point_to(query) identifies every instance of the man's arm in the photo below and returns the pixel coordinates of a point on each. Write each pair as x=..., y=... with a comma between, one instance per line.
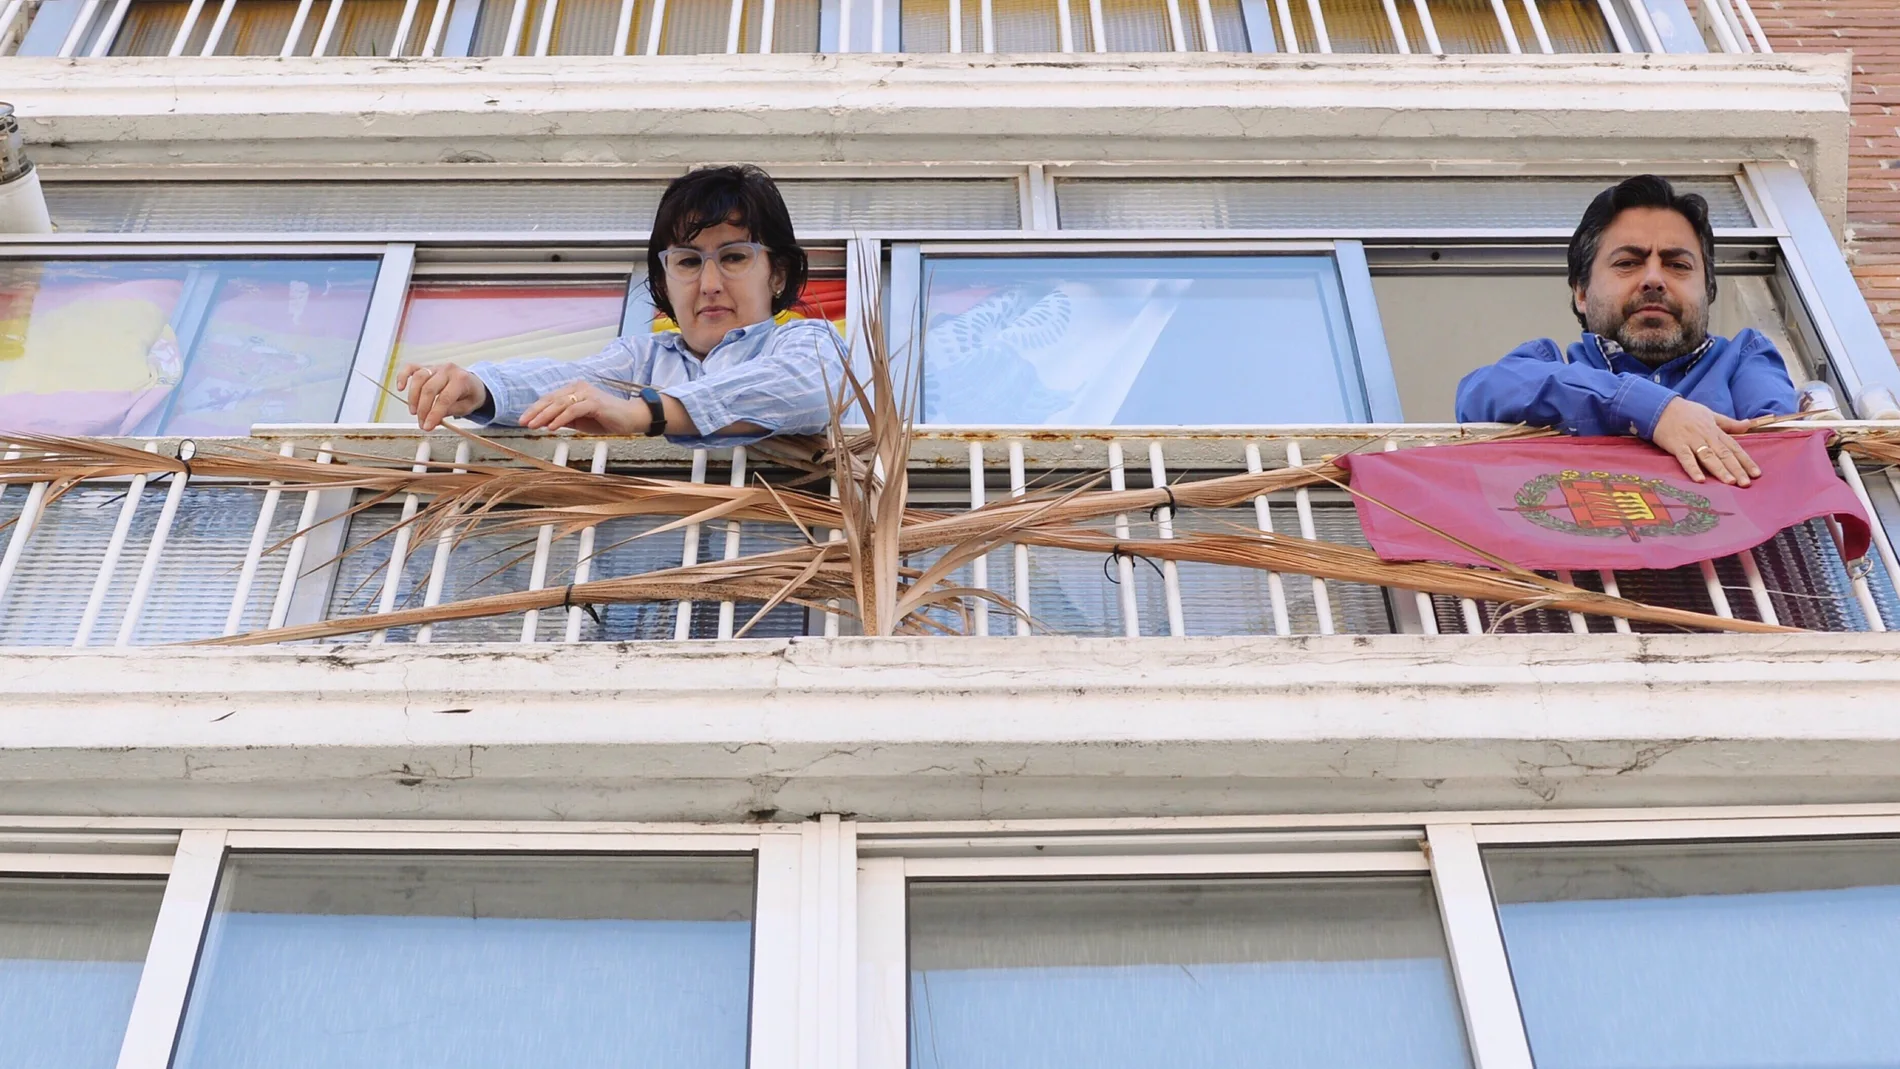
x=1535, y=385
x=1760, y=385
x=784, y=390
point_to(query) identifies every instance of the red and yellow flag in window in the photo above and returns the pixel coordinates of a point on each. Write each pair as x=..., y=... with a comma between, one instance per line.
x=822, y=298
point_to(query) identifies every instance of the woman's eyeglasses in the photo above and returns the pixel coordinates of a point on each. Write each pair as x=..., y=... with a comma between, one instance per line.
x=735, y=260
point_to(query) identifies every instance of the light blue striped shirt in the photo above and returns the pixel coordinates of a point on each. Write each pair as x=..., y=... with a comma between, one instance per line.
x=774, y=375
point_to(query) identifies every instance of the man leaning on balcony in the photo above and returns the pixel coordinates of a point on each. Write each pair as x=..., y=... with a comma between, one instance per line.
x=723, y=263
x=1641, y=283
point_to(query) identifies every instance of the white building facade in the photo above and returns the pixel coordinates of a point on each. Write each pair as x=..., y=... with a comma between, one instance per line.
x=1191, y=816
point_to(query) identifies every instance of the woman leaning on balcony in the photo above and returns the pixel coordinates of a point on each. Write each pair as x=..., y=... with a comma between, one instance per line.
x=723, y=263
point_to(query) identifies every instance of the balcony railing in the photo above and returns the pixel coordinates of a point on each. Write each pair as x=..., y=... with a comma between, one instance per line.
x=430, y=28
x=173, y=558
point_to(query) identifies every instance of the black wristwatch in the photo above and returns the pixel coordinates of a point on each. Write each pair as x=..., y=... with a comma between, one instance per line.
x=652, y=397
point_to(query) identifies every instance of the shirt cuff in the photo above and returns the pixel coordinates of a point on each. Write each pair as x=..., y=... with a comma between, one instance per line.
x=491, y=411
x=1640, y=403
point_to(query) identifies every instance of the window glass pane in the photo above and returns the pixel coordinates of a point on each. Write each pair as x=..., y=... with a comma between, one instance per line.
x=1674, y=955
x=474, y=962
x=70, y=956
x=1137, y=340
x=1306, y=973
x=466, y=322
x=179, y=346
x=1571, y=25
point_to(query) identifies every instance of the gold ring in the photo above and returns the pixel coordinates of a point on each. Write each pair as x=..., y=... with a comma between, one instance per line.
x=575, y=399
x=1700, y=448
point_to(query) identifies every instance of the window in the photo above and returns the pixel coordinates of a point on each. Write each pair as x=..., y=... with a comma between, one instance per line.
x=1135, y=339
x=202, y=347
x=71, y=952
x=260, y=28
x=1457, y=26
x=517, y=961
x=1676, y=954
x=1120, y=974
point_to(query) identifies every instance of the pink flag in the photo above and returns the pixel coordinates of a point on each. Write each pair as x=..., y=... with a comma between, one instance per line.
x=1586, y=503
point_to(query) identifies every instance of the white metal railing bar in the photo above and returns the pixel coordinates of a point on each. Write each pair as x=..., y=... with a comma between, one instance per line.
x=1429, y=27
x=1611, y=19
x=987, y=15
x=111, y=29
x=1320, y=37
x=1652, y=40
x=517, y=15
x=956, y=26
x=1164, y=521
x=218, y=25
x=735, y=21
x=584, y=553
x=1883, y=544
x=1754, y=27
x=437, y=23
x=254, y=553
x=1724, y=32
x=1511, y=43
x=1210, y=33
x=1757, y=589
x=297, y=23
x=1065, y=26
x=1176, y=31
x=293, y=564
x=1611, y=588
x=1427, y=613
x=544, y=35
x=538, y=571
x=1263, y=517
x=1124, y=564
x=659, y=24
x=733, y=535
x=689, y=553
x=12, y=11
x=877, y=25
x=1303, y=503
x=78, y=32
x=439, y=565
x=980, y=567
x=1018, y=486
x=399, y=546
x=844, y=24
x=154, y=550
x=1098, y=26
x=404, y=25
x=23, y=525
x=328, y=29
x=1718, y=597
x=623, y=28
x=832, y=615
x=768, y=21
x=109, y=563
x=1398, y=27
x=1289, y=38
x=1536, y=17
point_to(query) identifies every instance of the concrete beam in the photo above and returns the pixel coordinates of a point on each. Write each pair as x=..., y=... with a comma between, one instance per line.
x=951, y=729
x=1504, y=111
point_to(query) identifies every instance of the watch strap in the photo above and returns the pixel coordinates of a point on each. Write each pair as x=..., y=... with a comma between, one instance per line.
x=657, y=409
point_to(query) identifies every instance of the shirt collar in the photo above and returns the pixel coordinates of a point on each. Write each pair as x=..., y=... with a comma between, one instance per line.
x=1610, y=350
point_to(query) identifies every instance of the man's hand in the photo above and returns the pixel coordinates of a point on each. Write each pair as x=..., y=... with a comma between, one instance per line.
x=437, y=391
x=588, y=409
x=1698, y=436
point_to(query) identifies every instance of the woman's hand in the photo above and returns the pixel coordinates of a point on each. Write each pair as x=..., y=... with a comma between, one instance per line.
x=437, y=391
x=588, y=409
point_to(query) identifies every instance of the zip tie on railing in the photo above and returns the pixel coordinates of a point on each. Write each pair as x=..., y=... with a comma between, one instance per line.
x=588, y=607
x=1154, y=513
x=1118, y=552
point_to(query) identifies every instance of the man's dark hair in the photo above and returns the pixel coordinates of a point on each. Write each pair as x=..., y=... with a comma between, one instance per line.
x=744, y=196
x=1642, y=191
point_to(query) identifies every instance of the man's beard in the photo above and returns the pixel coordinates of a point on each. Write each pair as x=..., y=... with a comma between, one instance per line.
x=1654, y=347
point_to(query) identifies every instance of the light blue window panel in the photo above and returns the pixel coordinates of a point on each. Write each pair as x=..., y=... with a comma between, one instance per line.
x=1672, y=956
x=475, y=963
x=1170, y=974
x=71, y=952
x=1138, y=340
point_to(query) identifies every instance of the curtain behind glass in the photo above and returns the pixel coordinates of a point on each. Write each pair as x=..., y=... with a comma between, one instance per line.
x=150, y=26
x=1685, y=955
x=1234, y=974
x=473, y=962
x=71, y=952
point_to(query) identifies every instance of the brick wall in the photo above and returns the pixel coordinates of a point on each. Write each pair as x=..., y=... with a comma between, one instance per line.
x=1870, y=29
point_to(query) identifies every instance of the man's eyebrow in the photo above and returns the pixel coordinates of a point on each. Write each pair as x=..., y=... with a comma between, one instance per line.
x=1644, y=250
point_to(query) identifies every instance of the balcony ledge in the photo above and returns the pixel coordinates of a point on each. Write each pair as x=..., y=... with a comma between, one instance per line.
x=953, y=729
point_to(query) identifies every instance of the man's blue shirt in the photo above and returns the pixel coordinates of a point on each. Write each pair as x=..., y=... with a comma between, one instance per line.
x=1595, y=388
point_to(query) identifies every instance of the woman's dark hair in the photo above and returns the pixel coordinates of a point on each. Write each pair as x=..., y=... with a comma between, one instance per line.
x=1642, y=191
x=744, y=196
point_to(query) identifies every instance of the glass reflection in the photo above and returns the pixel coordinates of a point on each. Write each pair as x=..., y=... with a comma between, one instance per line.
x=1138, y=340
x=474, y=962
x=1673, y=955
x=71, y=951
x=177, y=346
x=1125, y=974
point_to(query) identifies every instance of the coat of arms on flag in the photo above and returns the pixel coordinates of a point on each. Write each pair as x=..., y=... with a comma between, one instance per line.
x=1588, y=503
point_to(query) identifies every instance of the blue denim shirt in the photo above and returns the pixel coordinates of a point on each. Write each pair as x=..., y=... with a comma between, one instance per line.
x=1595, y=388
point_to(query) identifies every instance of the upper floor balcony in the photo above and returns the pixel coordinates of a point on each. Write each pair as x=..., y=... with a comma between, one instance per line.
x=453, y=28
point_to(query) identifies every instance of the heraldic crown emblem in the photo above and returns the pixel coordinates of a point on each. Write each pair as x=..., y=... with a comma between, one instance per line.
x=1603, y=505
